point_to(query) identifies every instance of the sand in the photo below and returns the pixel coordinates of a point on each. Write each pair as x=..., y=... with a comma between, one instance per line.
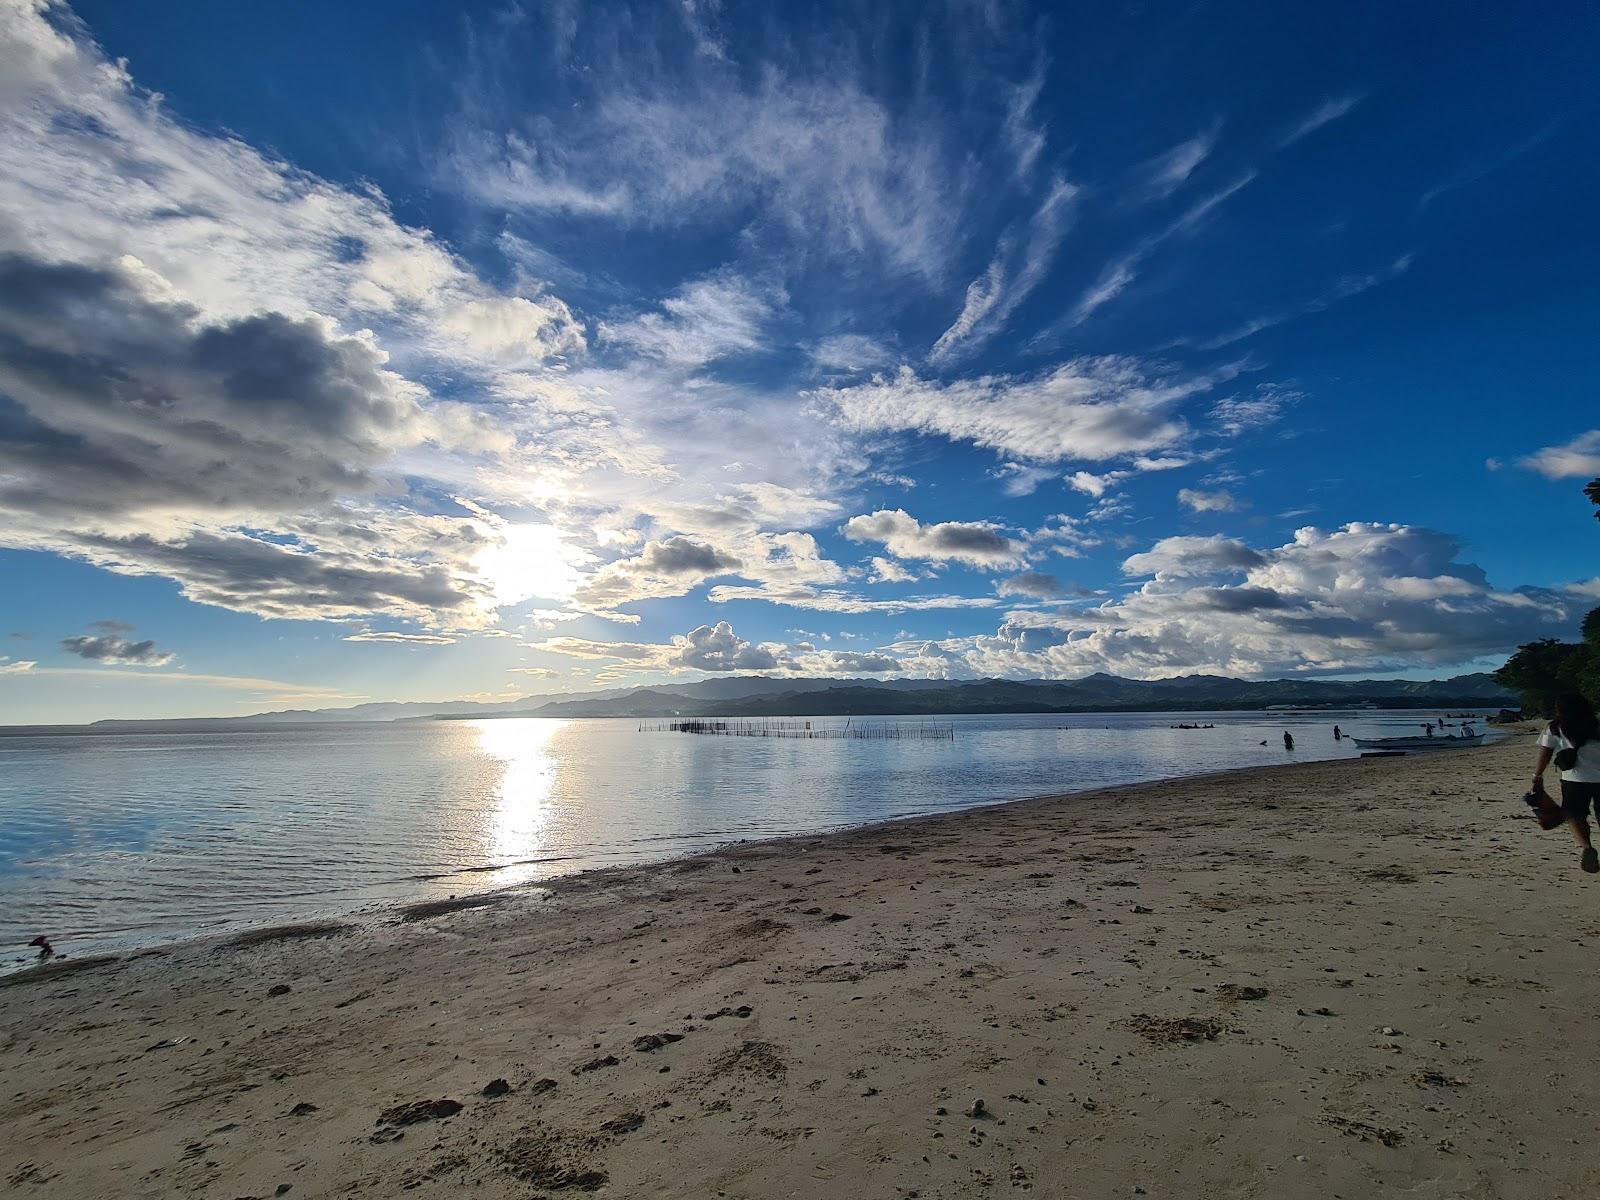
x=1339, y=979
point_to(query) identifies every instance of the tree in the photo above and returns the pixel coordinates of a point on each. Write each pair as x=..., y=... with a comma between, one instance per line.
x=1540, y=671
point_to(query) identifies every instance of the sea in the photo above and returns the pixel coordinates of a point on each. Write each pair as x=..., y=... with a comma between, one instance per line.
x=116, y=840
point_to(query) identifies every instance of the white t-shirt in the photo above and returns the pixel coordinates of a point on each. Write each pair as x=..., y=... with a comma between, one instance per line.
x=1587, y=768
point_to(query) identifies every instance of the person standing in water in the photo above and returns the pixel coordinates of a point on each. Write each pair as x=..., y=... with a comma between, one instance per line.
x=1288, y=740
x=1336, y=734
x=1573, y=741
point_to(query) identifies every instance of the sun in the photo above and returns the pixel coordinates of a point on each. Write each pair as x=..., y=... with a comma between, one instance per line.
x=527, y=562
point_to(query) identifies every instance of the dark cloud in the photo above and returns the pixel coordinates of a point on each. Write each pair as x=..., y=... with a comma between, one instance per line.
x=1239, y=599
x=113, y=401
x=680, y=556
x=111, y=649
x=1039, y=585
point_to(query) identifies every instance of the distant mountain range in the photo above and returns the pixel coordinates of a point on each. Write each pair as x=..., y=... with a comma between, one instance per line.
x=761, y=696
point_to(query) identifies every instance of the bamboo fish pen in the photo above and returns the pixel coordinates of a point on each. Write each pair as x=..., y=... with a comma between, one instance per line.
x=893, y=731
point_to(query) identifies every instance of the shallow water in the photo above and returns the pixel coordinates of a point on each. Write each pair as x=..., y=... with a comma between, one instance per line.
x=111, y=840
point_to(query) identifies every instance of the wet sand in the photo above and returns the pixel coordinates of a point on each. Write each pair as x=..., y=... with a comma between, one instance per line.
x=1340, y=979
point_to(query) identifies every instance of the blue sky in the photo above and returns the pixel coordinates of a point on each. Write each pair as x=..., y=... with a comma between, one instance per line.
x=414, y=351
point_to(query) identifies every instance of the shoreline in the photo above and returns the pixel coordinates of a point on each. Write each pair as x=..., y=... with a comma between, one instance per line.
x=1320, y=979
x=381, y=913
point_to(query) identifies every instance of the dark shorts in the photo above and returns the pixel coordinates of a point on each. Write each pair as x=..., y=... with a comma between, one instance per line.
x=1577, y=798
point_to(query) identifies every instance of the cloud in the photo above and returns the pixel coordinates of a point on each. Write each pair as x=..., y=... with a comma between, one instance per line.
x=1022, y=479
x=707, y=319
x=846, y=662
x=117, y=401
x=109, y=648
x=1016, y=270
x=837, y=601
x=1121, y=271
x=1180, y=557
x=1343, y=289
x=16, y=666
x=1036, y=585
x=1326, y=113
x=851, y=352
x=718, y=648
x=1361, y=598
x=402, y=639
x=821, y=159
x=977, y=544
x=672, y=567
x=534, y=672
x=1575, y=459
x=1198, y=501
x=1094, y=485
x=1091, y=409
x=886, y=570
x=1164, y=174
x=713, y=648
x=1240, y=414
x=204, y=411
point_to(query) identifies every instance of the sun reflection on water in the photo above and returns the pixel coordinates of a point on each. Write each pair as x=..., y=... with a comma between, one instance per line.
x=518, y=828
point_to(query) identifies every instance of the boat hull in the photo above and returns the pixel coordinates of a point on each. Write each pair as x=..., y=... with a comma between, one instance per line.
x=1418, y=743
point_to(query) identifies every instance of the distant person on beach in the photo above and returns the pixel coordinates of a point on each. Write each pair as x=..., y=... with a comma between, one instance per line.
x=1573, y=741
x=1288, y=740
x=1336, y=734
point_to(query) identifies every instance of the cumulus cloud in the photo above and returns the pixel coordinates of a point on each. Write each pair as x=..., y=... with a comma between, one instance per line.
x=707, y=648
x=109, y=648
x=672, y=567
x=1360, y=598
x=975, y=543
x=9, y=666
x=215, y=409
x=718, y=648
x=1200, y=501
x=845, y=662
x=1094, y=485
x=1176, y=557
x=115, y=401
x=1091, y=409
x=886, y=570
x=1573, y=460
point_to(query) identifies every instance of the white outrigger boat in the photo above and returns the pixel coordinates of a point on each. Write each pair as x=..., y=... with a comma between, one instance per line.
x=1413, y=742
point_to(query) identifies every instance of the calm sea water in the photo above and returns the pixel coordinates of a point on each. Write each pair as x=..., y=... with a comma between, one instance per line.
x=111, y=840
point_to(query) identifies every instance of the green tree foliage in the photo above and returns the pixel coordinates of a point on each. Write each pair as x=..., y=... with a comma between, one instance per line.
x=1542, y=670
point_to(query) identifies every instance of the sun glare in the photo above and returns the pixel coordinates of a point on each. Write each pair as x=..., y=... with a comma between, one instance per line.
x=529, y=561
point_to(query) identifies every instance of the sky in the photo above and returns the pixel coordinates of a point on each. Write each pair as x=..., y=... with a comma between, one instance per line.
x=413, y=351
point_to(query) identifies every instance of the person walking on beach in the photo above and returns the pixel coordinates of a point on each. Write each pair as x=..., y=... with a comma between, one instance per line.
x=1573, y=741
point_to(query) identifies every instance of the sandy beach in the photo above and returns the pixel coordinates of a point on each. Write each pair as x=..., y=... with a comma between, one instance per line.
x=1339, y=979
